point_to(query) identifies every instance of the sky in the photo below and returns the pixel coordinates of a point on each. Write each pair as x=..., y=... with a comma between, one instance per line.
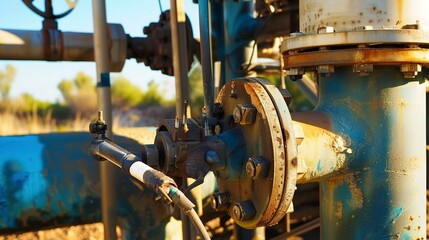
x=41, y=78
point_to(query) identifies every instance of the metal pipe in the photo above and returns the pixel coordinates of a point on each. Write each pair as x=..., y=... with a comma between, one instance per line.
x=364, y=144
x=101, y=54
x=323, y=150
x=52, y=45
x=133, y=166
x=55, y=45
x=308, y=88
x=55, y=183
x=270, y=27
x=306, y=227
x=180, y=55
x=206, y=55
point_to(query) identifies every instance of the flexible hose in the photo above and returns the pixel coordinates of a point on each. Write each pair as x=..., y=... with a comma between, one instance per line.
x=180, y=199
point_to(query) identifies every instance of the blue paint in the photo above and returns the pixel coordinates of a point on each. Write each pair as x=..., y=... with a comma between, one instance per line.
x=104, y=80
x=236, y=149
x=384, y=115
x=22, y=172
x=49, y=180
x=319, y=165
x=395, y=214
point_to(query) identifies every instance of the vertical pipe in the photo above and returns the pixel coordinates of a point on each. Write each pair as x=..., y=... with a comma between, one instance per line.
x=101, y=53
x=238, y=49
x=382, y=195
x=206, y=54
x=180, y=62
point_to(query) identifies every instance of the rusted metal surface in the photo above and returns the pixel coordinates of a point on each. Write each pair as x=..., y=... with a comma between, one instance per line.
x=368, y=37
x=380, y=193
x=55, y=45
x=54, y=183
x=390, y=56
x=347, y=15
x=291, y=160
x=263, y=138
x=324, y=152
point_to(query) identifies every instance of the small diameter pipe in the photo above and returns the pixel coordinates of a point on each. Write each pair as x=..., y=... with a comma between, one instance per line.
x=101, y=53
x=206, y=55
x=180, y=55
x=158, y=181
x=306, y=227
x=308, y=88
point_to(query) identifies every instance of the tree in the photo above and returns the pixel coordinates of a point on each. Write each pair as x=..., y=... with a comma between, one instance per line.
x=6, y=80
x=152, y=97
x=196, y=90
x=125, y=95
x=80, y=94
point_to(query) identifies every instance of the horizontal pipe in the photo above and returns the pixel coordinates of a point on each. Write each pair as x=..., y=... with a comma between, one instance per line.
x=55, y=45
x=322, y=150
x=51, y=45
x=55, y=183
x=266, y=28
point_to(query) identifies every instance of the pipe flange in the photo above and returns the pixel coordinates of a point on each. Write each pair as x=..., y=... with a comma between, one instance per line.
x=261, y=161
x=306, y=42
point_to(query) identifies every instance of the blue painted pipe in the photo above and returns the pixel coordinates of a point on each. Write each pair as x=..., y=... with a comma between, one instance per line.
x=50, y=180
x=382, y=193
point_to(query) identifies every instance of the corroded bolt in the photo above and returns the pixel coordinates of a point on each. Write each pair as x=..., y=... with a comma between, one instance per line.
x=220, y=201
x=411, y=70
x=258, y=167
x=325, y=29
x=295, y=73
x=244, y=211
x=363, y=70
x=244, y=114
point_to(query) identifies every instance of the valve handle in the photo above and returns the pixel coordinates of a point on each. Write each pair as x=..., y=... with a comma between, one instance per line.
x=48, y=14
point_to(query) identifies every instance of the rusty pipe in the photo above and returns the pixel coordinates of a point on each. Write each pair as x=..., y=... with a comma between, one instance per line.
x=55, y=45
x=322, y=152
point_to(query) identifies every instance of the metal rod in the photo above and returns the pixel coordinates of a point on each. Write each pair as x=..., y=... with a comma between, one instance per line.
x=180, y=56
x=108, y=191
x=306, y=227
x=206, y=55
x=308, y=88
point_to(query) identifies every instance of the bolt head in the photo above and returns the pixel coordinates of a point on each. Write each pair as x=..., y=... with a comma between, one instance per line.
x=220, y=201
x=250, y=169
x=244, y=114
x=244, y=211
x=258, y=167
x=237, y=115
x=212, y=157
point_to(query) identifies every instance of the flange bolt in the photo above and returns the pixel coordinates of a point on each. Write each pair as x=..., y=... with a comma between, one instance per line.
x=244, y=211
x=220, y=201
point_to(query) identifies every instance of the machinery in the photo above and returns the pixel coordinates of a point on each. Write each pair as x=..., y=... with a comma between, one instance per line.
x=364, y=143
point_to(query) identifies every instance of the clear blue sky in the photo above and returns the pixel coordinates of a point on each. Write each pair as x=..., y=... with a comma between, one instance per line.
x=40, y=78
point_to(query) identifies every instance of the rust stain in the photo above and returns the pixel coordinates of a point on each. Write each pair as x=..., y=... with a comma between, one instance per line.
x=355, y=191
x=339, y=211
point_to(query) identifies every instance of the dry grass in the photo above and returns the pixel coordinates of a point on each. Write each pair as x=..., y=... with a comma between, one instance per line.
x=12, y=124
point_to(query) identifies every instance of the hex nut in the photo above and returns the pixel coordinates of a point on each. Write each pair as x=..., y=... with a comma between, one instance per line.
x=220, y=201
x=258, y=167
x=244, y=114
x=325, y=29
x=411, y=70
x=244, y=211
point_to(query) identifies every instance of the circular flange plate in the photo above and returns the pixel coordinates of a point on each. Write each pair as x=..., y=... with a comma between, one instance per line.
x=269, y=137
